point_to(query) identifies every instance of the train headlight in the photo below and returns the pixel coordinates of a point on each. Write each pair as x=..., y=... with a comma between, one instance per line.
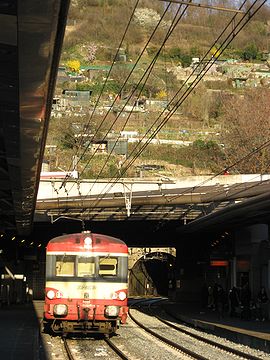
x=50, y=294
x=111, y=310
x=122, y=295
x=88, y=243
x=60, y=309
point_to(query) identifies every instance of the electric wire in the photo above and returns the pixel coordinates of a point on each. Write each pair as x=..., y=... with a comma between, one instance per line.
x=146, y=76
x=129, y=97
x=119, y=92
x=249, y=154
x=123, y=86
x=199, y=77
x=103, y=87
x=136, y=88
x=268, y=141
x=218, y=51
x=156, y=121
x=245, y=157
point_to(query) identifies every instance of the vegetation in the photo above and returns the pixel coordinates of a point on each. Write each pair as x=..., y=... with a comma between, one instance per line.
x=93, y=23
x=222, y=123
x=245, y=123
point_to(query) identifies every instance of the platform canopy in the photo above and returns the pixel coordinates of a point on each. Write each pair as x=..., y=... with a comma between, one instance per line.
x=31, y=34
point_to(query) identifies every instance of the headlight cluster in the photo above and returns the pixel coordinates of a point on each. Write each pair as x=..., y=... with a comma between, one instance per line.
x=111, y=310
x=50, y=294
x=53, y=294
x=122, y=295
x=119, y=296
x=60, y=310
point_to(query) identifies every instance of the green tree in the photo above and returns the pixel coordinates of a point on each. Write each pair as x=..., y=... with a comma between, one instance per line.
x=250, y=52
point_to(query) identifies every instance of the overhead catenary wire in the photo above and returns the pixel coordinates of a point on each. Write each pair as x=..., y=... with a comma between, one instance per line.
x=102, y=89
x=145, y=75
x=169, y=33
x=164, y=110
x=256, y=150
x=236, y=189
x=121, y=89
x=199, y=77
x=230, y=37
x=243, y=158
x=145, y=78
x=247, y=154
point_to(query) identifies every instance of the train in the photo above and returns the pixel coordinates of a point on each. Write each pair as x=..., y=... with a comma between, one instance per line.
x=86, y=286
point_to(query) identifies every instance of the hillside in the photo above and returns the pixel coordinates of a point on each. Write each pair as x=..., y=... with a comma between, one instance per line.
x=198, y=136
x=102, y=22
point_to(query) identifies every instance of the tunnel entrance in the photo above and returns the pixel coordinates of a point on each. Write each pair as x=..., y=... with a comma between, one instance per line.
x=152, y=274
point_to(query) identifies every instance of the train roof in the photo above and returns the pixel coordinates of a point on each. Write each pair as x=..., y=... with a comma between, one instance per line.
x=86, y=242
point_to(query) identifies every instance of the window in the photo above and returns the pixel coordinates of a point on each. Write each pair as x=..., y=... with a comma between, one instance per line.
x=65, y=265
x=107, y=266
x=86, y=267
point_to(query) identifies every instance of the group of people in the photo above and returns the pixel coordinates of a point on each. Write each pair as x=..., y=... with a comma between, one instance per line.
x=238, y=302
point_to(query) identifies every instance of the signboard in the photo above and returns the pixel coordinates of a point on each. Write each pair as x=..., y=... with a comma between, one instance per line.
x=219, y=263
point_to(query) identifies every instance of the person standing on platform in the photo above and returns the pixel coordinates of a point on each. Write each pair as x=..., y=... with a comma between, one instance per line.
x=262, y=303
x=220, y=301
x=215, y=295
x=204, y=296
x=210, y=298
x=233, y=301
x=245, y=302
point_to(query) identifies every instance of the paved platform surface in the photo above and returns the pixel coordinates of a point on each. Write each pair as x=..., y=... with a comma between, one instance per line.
x=19, y=332
x=248, y=332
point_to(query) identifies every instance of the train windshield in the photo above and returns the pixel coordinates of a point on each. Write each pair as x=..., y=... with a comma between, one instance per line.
x=107, y=266
x=65, y=265
x=86, y=267
x=71, y=265
x=99, y=267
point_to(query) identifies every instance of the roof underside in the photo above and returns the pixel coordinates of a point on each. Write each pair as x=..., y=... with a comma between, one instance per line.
x=31, y=34
x=210, y=208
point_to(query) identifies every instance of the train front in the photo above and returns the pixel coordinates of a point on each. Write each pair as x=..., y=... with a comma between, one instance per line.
x=86, y=284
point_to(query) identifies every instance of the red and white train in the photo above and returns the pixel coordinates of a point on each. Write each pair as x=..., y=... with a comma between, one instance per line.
x=86, y=284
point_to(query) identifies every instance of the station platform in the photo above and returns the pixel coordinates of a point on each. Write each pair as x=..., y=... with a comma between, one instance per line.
x=19, y=331
x=255, y=334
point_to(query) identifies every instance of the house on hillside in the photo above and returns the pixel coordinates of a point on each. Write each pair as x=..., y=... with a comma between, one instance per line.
x=62, y=76
x=77, y=97
x=115, y=146
x=93, y=71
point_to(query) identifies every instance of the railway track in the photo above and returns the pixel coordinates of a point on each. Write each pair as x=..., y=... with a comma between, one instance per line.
x=148, y=322
x=184, y=350
x=67, y=349
x=90, y=349
x=210, y=342
x=209, y=346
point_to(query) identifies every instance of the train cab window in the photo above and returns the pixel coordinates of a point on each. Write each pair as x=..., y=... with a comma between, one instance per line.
x=86, y=266
x=65, y=265
x=107, y=266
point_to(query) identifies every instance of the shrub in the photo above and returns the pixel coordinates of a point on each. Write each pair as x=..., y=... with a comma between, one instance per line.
x=250, y=52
